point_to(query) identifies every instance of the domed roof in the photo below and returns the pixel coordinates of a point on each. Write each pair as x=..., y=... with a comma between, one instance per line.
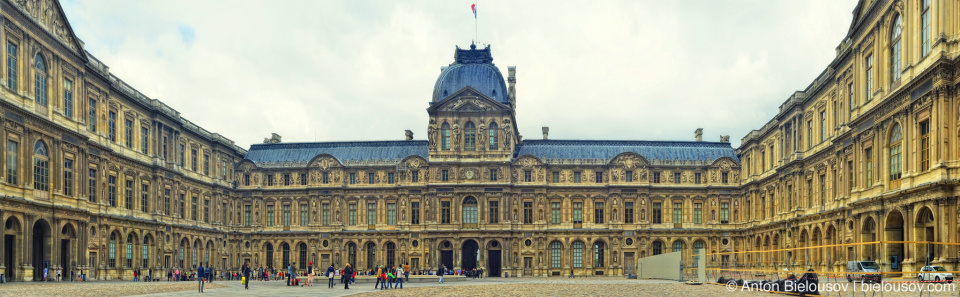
x=474, y=68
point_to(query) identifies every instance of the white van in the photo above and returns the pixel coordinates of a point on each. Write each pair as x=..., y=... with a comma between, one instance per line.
x=857, y=271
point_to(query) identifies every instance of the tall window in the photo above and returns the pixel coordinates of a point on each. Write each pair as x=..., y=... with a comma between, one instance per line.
x=246, y=215
x=12, y=66
x=494, y=145
x=469, y=210
x=698, y=213
x=576, y=177
x=924, y=145
x=924, y=27
x=371, y=177
x=68, y=177
x=850, y=97
x=556, y=176
x=895, y=164
x=470, y=137
x=40, y=80
x=598, y=177
x=528, y=212
x=113, y=250
x=415, y=176
x=128, y=129
x=195, y=209
x=494, y=215
x=895, y=50
x=598, y=212
x=823, y=190
x=206, y=165
x=445, y=136
x=325, y=214
x=677, y=246
x=415, y=213
x=445, y=212
x=112, y=126
x=183, y=206
x=92, y=186
x=656, y=177
x=144, y=139
x=657, y=213
x=657, y=248
x=809, y=135
x=628, y=176
x=555, y=250
x=145, y=252
x=304, y=217
x=577, y=254
x=193, y=160
x=823, y=127
x=444, y=175
x=527, y=176
x=353, y=214
x=183, y=152
x=724, y=212
x=869, y=85
x=286, y=215
x=578, y=212
x=390, y=178
x=41, y=167
x=555, y=212
x=353, y=178
x=868, y=155
x=676, y=177
x=112, y=190
x=12, y=175
x=166, y=201
x=677, y=212
x=598, y=249
x=271, y=211
x=493, y=175
x=628, y=212
x=92, y=115
x=371, y=213
x=697, y=246
x=144, y=198
x=696, y=178
x=391, y=214
x=129, y=251
x=68, y=98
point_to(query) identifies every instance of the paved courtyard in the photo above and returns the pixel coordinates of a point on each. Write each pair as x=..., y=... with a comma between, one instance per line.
x=487, y=287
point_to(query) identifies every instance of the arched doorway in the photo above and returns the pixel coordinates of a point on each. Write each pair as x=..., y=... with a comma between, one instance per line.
x=285, y=247
x=446, y=254
x=269, y=257
x=10, y=259
x=352, y=254
x=924, y=230
x=469, y=254
x=391, y=253
x=494, y=258
x=893, y=231
x=371, y=255
x=41, y=248
x=868, y=234
x=67, y=236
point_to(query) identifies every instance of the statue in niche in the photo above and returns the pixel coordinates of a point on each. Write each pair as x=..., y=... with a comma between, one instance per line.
x=456, y=136
x=432, y=133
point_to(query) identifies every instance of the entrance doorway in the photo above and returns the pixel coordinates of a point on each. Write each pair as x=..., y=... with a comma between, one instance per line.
x=8, y=251
x=527, y=266
x=494, y=258
x=894, y=232
x=446, y=258
x=469, y=254
x=41, y=248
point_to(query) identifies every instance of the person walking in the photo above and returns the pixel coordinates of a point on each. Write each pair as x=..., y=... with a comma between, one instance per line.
x=176, y=274
x=441, y=271
x=347, y=273
x=331, y=272
x=406, y=271
x=379, y=279
x=200, y=277
x=246, y=276
x=310, y=274
x=399, y=284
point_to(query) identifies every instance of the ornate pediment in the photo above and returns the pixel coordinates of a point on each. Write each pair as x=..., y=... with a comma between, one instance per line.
x=467, y=99
x=49, y=15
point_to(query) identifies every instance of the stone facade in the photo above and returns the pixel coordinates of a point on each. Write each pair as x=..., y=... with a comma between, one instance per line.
x=99, y=177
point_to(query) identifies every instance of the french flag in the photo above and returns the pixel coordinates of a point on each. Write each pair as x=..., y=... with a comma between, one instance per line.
x=474, y=8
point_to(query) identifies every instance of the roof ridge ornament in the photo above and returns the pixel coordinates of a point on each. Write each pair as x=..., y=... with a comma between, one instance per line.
x=473, y=55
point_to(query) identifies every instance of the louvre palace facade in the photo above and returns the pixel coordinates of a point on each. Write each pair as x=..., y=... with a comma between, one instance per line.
x=101, y=178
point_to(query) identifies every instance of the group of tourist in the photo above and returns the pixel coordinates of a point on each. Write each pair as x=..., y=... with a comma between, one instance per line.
x=60, y=277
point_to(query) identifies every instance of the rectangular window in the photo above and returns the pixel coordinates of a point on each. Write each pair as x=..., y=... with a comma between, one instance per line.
x=577, y=255
x=193, y=160
x=92, y=186
x=223, y=172
x=823, y=190
x=415, y=176
x=869, y=172
x=12, y=164
x=353, y=178
x=304, y=217
x=924, y=145
x=223, y=214
x=269, y=179
x=206, y=164
x=810, y=193
x=676, y=177
x=850, y=176
x=303, y=179
x=166, y=201
x=286, y=179
x=724, y=212
x=924, y=27
x=493, y=175
x=183, y=206
x=823, y=126
x=656, y=177
x=128, y=193
x=657, y=215
x=92, y=115
x=698, y=213
x=677, y=212
x=628, y=212
x=144, y=139
x=112, y=126
x=628, y=176
x=112, y=190
x=850, y=97
x=390, y=178
x=12, y=66
x=67, y=177
x=353, y=214
x=246, y=215
x=68, y=98
x=869, y=84
x=128, y=130
x=578, y=212
x=576, y=177
x=371, y=178
x=494, y=215
x=555, y=212
x=598, y=176
x=391, y=213
x=145, y=198
x=809, y=135
x=183, y=151
x=556, y=176
x=195, y=208
x=763, y=161
x=415, y=213
x=444, y=175
x=286, y=215
x=325, y=177
x=445, y=212
x=598, y=213
x=696, y=178
x=527, y=176
x=723, y=177
x=325, y=219
x=206, y=210
x=528, y=212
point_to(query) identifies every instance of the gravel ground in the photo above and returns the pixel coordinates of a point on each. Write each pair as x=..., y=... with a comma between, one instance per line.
x=98, y=288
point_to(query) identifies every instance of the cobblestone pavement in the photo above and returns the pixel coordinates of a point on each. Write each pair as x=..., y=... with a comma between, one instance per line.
x=98, y=288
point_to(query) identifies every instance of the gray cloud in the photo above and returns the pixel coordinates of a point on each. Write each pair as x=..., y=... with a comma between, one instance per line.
x=364, y=70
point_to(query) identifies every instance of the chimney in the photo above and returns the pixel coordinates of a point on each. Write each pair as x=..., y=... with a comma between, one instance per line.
x=698, y=134
x=512, y=81
x=546, y=130
x=409, y=134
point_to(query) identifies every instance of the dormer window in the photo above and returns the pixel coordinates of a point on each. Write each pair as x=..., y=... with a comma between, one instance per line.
x=445, y=137
x=470, y=137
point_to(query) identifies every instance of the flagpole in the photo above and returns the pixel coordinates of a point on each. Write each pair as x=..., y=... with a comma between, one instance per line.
x=475, y=35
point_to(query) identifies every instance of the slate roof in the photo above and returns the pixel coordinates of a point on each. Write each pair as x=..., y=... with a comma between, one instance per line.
x=350, y=153
x=698, y=153
x=472, y=67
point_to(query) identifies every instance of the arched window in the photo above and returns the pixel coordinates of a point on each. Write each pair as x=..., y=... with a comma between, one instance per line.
x=391, y=253
x=577, y=254
x=445, y=136
x=183, y=247
x=196, y=254
x=286, y=255
x=130, y=251
x=470, y=137
x=677, y=246
x=371, y=255
x=113, y=250
x=145, y=252
x=494, y=140
x=555, y=248
x=697, y=246
x=470, y=210
x=895, y=161
x=598, y=254
x=657, y=248
x=206, y=254
x=895, y=50
x=40, y=80
x=41, y=167
x=351, y=254
x=303, y=255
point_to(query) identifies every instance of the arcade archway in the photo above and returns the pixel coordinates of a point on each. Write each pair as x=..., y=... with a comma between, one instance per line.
x=469, y=254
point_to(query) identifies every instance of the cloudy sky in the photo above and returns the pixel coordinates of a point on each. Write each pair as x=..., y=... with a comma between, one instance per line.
x=365, y=70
